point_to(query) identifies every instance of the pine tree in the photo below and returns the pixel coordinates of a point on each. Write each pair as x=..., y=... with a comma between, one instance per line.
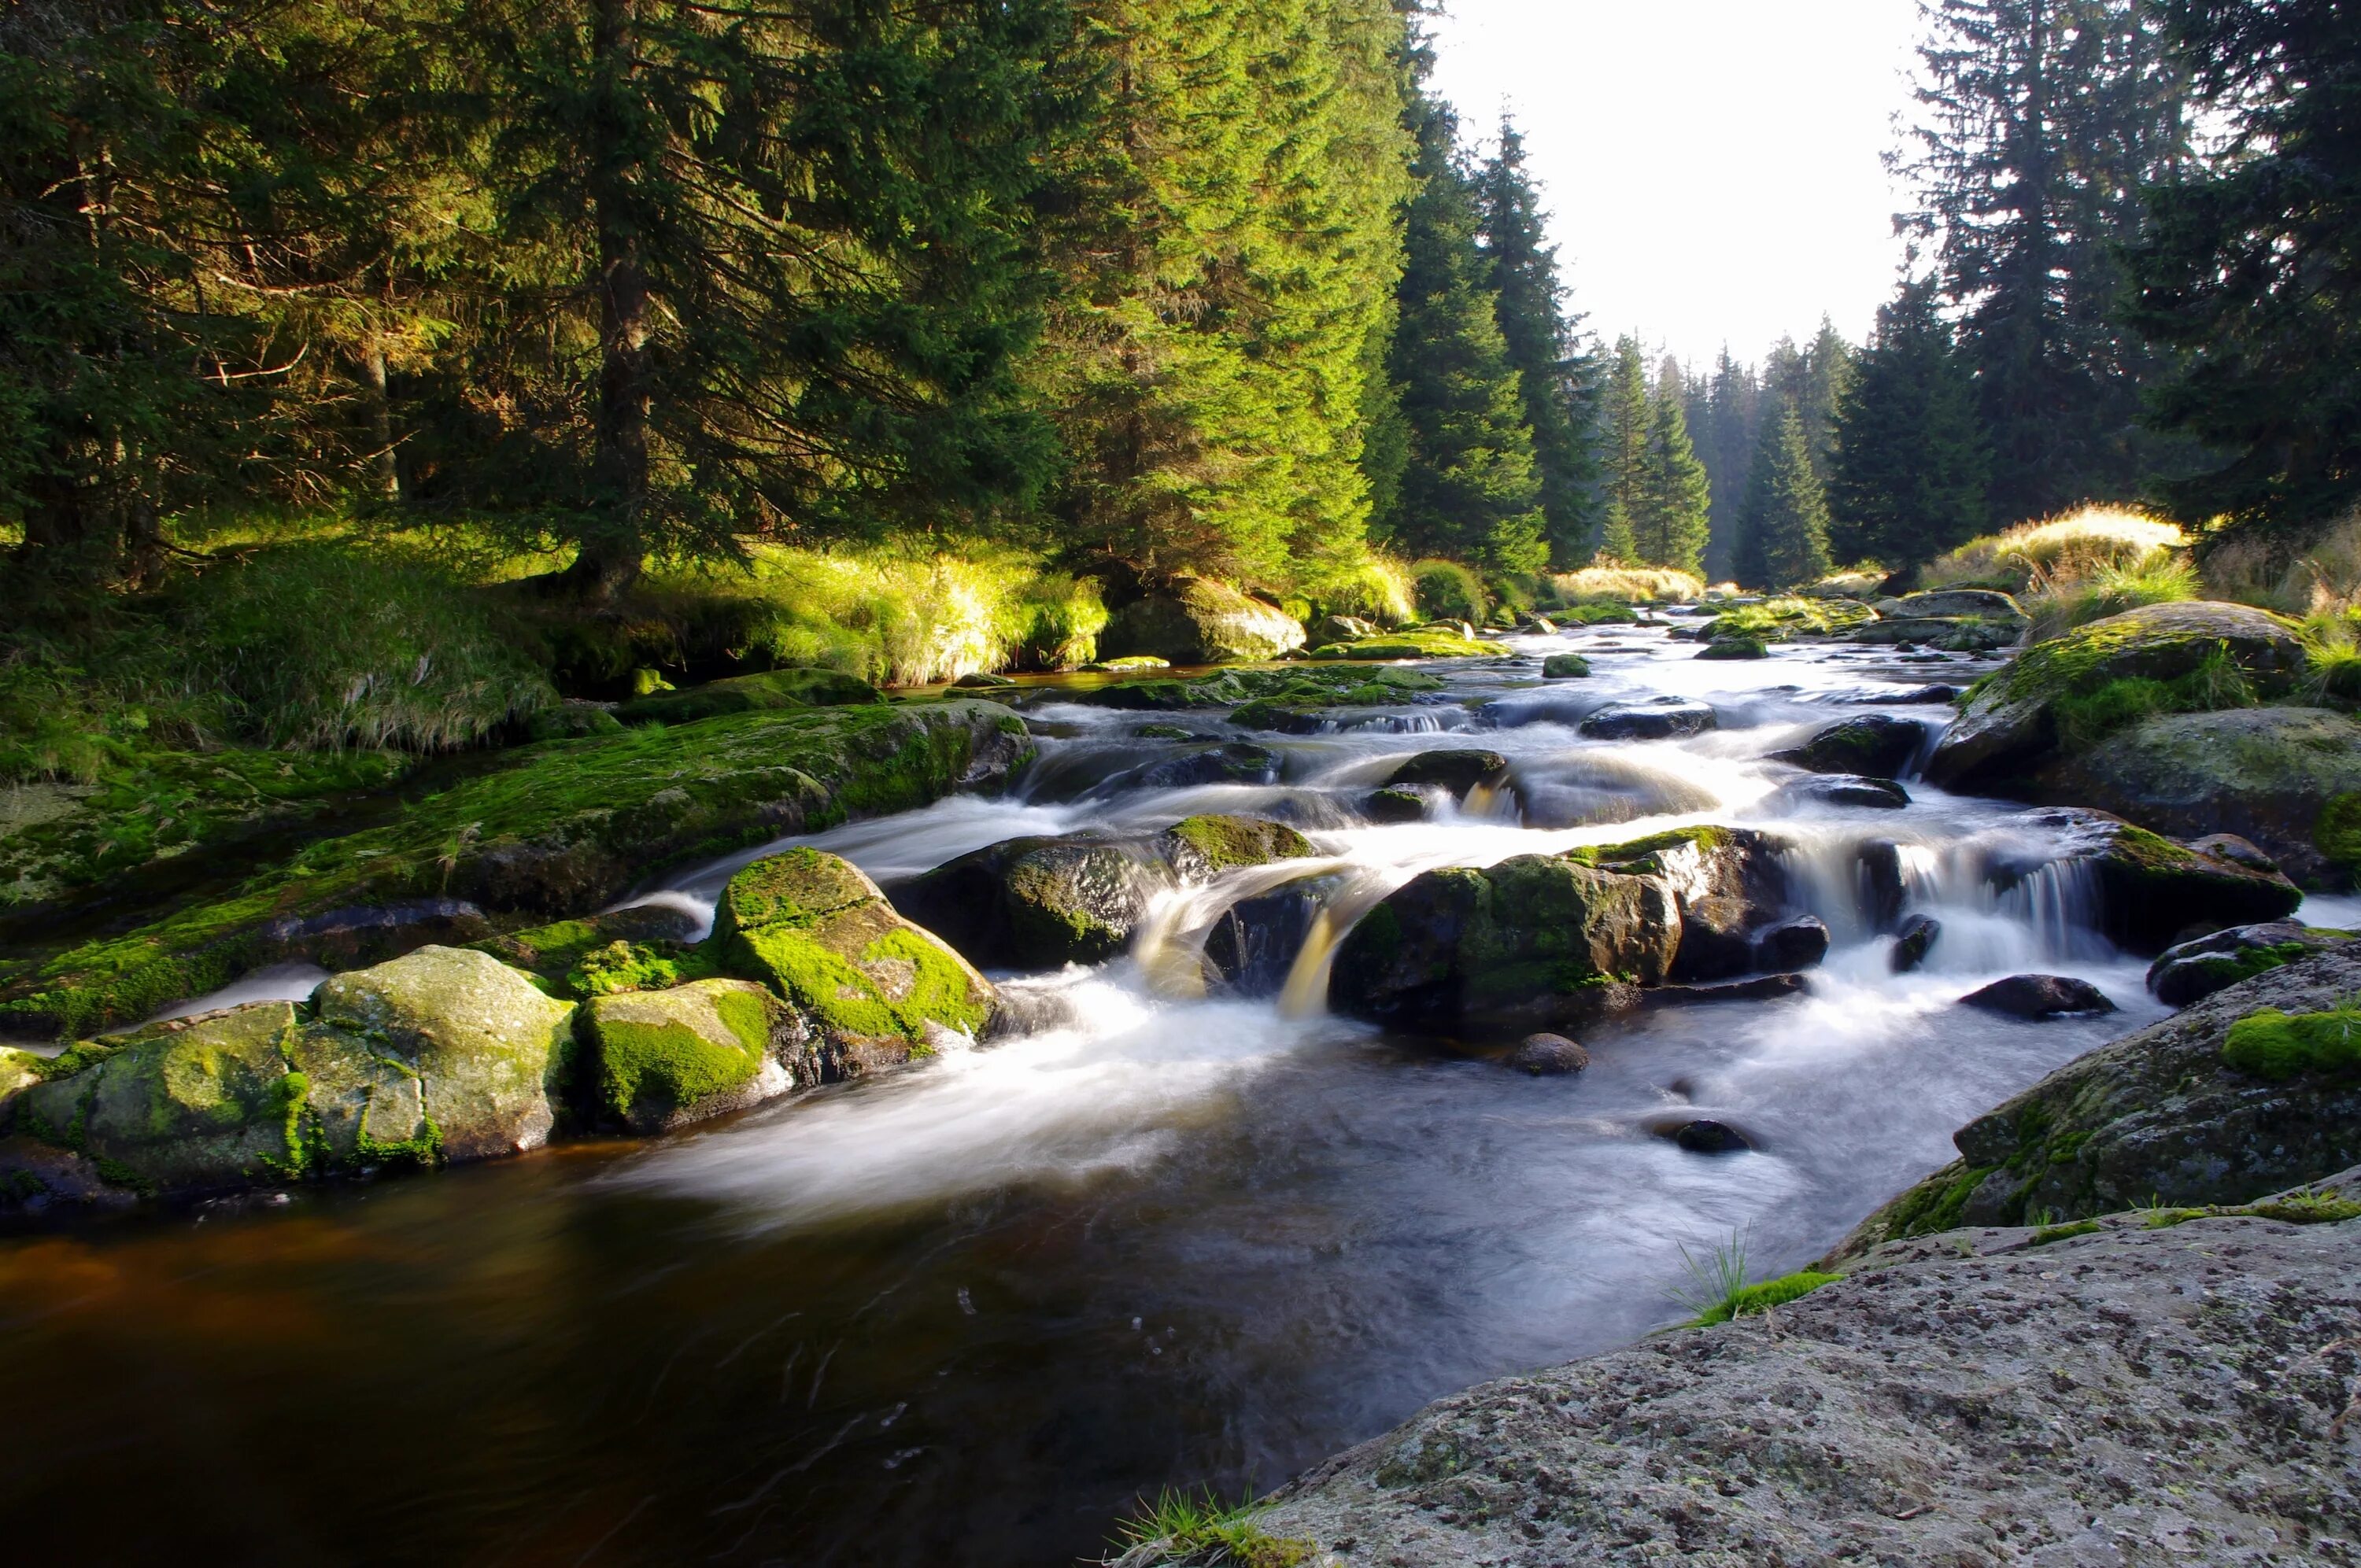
x=2249, y=272
x=1910, y=461
x=1556, y=376
x=1670, y=527
x=1728, y=450
x=1226, y=230
x=1623, y=429
x=1828, y=372
x=2042, y=121
x=1469, y=491
x=1785, y=542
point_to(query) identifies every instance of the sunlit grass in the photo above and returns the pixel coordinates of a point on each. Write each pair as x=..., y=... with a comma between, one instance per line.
x=2058, y=551
x=1629, y=585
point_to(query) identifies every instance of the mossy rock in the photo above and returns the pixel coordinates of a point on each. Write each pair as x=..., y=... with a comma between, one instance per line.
x=2075, y=689
x=750, y=694
x=1565, y=666
x=1457, y=770
x=2277, y=1046
x=1196, y=620
x=564, y=825
x=660, y=1059
x=571, y=721
x=2152, y=888
x=643, y=947
x=489, y=1054
x=1422, y=645
x=1537, y=941
x=1873, y=745
x=879, y=988
x=192, y=1106
x=2197, y=969
x=1199, y=847
x=1735, y=648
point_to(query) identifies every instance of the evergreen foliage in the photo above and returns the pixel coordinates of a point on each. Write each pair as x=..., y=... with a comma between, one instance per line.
x=1469, y=488
x=1669, y=528
x=1623, y=438
x=1783, y=541
x=2253, y=268
x=2042, y=120
x=1555, y=375
x=1910, y=464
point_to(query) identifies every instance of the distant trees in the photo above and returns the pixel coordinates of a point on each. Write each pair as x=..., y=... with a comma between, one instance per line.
x=2251, y=271
x=1910, y=462
x=1783, y=536
x=1669, y=527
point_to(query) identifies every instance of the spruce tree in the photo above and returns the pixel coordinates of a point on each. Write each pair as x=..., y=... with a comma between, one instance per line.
x=1669, y=528
x=2247, y=272
x=1784, y=541
x=1556, y=376
x=1469, y=489
x=1828, y=372
x=1726, y=449
x=2041, y=121
x=1910, y=460
x=1624, y=422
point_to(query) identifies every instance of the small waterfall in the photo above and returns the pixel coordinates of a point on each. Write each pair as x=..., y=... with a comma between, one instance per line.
x=2003, y=902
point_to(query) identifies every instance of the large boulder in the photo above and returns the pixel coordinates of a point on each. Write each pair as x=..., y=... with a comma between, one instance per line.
x=660, y=1059
x=2159, y=1117
x=1876, y=745
x=1949, y=603
x=879, y=989
x=2273, y=776
x=192, y=1106
x=2153, y=890
x=1537, y=941
x=2197, y=969
x=1034, y=904
x=2010, y=726
x=1195, y=620
x=443, y=1055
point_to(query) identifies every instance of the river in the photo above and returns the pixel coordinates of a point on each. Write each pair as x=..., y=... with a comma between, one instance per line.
x=966, y=1315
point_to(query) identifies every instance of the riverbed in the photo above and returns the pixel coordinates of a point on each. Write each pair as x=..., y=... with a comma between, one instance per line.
x=1173, y=1236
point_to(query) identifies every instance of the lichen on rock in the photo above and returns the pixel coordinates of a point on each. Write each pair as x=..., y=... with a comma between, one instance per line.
x=664, y=1058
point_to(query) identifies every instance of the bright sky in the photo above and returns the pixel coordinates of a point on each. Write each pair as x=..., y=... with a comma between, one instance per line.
x=1711, y=166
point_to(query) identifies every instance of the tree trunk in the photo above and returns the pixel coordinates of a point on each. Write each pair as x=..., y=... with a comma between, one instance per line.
x=380, y=413
x=613, y=549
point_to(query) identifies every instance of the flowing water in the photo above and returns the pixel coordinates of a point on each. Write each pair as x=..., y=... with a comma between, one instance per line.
x=968, y=1313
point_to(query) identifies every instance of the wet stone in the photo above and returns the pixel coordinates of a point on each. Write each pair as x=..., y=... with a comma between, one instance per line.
x=1548, y=1055
x=2039, y=996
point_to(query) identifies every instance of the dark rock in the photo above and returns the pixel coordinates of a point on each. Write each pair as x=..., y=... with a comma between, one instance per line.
x=1840, y=789
x=1395, y=805
x=1876, y=744
x=2237, y=850
x=982, y=680
x=1253, y=947
x=1717, y=939
x=1797, y=942
x=1951, y=603
x=1705, y=1135
x=1907, y=697
x=1911, y=943
x=1239, y=762
x=2195, y=969
x=1548, y=1055
x=2038, y=996
x=1666, y=719
x=1755, y=988
x=1457, y=771
x=2151, y=889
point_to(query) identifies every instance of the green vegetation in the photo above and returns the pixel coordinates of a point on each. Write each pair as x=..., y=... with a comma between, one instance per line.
x=1717, y=1290
x=1911, y=461
x=1222, y=842
x=2058, y=605
x=1192, y=1529
x=2277, y=1046
x=2294, y=1208
x=2066, y=549
x=1449, y=591
x=2087, y=716
x=710, y=1040
x=1779, y=619
x=1783, y=536
x=2048, y=1233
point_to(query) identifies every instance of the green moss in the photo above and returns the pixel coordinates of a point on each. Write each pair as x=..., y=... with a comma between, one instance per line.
x=2087, y=715
x=1636, y=850
x=1594, y=615
x=636, y=965
x=1752, y=1299
x=847, y=1002
x=1735, y=648
x=665, y=1066
x=2294, y=1208
x=1226, y=842
x=2337, y=831
x=2276, y=1046
x=1778, y=620
x=1565, y=666
x=2049, y=1233
x=1933, y=1206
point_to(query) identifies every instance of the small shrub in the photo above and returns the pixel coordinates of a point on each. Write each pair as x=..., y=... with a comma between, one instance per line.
x=1449, y=591
x=1374, y=586
x=1629, y=585
x=1194, y=1528
x=2061, y=550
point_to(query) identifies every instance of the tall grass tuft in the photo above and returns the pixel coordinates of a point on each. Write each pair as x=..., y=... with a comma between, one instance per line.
x=2059, y=550
x=1195, y=1527
x=1449, y=591
x=1629, y=585
x=2058, y=605
x=2319, y=574
x=1373, y=586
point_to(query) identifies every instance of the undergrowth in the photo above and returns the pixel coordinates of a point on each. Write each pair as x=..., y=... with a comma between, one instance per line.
x=2070, y=548
x=2059, y=604
x=2085, y=716
x=1198, y=1529
x=1629, y=585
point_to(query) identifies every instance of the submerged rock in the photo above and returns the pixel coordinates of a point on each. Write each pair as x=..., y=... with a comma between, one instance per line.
x=2160, y=1116
x=2195, y=969
x=1196, y=620
x=2039, y=996
x=879, y=989
x=1705, y=1135
x=1032, y=904
x=1842, y=790
x=1913, y=941
x=1548, y=1055
x=1456, y=771
x=1235, y=762
x=1661, y=719
x=661, y=1060
x=1875, y=744
x=1391, y=805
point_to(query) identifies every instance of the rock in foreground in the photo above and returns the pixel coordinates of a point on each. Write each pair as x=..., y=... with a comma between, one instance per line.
x=2128, y=1396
